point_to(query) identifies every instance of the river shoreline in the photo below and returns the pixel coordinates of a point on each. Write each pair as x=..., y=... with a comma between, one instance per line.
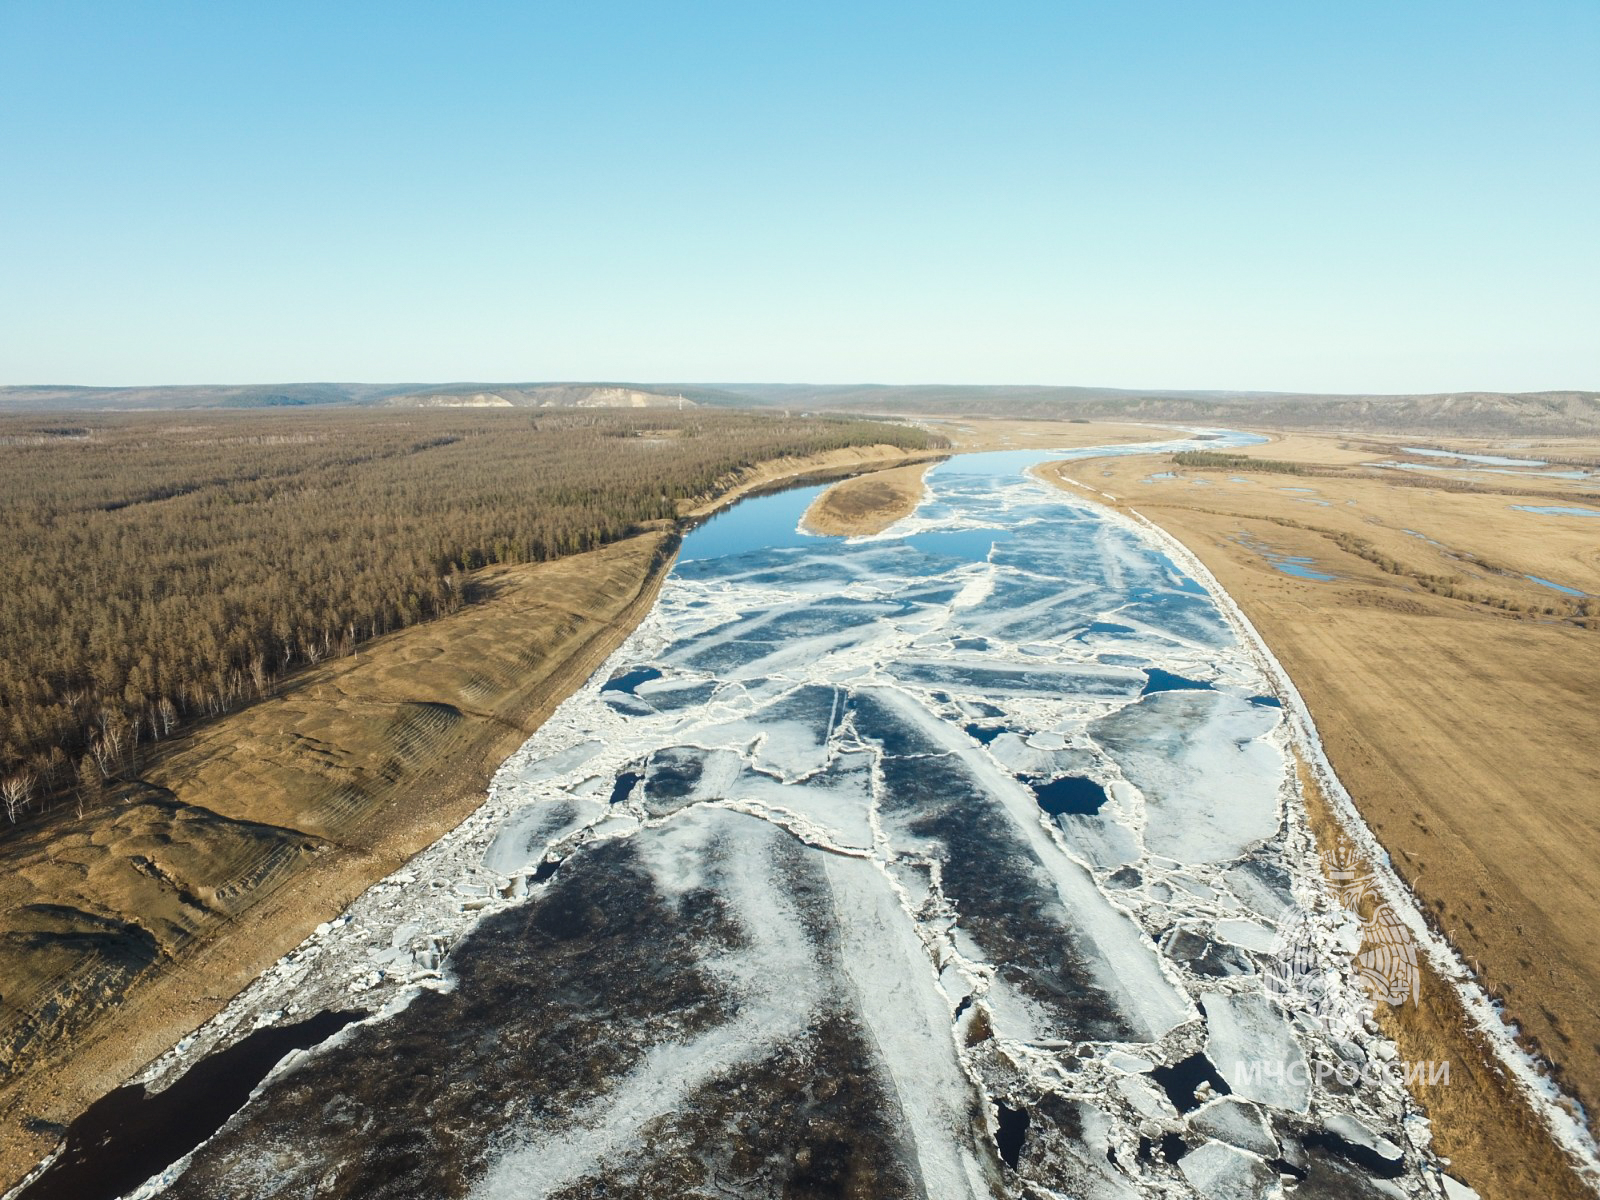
x=159, y=1011
x=470, y=838
x=1504, y=1123
x=456, y=883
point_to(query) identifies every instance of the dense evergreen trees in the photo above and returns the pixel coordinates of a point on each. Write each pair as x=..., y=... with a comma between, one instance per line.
x=1239, y=462
x=157, y=569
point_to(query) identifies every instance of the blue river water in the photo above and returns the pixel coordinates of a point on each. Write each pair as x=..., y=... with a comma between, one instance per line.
x=1493, y=460
x=1558, y=510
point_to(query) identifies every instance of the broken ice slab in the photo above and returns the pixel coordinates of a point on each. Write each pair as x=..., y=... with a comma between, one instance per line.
x=1249, y=934
x=1220, y=1172
x=674, y=695
x=1255, y=1049
x=830, y=807
x=1023, y=757
x=526, y=768
x=789, y=736
x=526, y=835
x=1204, y=956
x=1209, y=775
x=678, y=776
x=1265, y=887
x=1372, y=1149
x=1237, y=1122
x=986, y=678
x=1103, y=842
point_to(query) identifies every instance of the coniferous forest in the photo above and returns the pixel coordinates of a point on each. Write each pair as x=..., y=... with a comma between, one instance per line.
x=159, y=569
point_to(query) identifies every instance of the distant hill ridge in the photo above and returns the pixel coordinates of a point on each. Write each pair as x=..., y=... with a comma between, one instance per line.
x=432, y=395
x=1572, y=413
x=1482, y=413
x=556, y=395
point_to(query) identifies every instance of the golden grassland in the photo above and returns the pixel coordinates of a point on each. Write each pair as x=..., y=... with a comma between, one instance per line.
x=266, y=822
x=126, y=927
x=1456, y=700
x=1003, y=433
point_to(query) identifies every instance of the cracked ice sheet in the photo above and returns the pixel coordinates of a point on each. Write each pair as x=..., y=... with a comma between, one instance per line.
x=773, y=978
x=886, y=964
x=780, y=980
x=1080, y=964
x=766, y=665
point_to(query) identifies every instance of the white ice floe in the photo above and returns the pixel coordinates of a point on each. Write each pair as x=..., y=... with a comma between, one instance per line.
x=1357, y=1134
x=909, y=1020
x=1220, y=1172
x=1210, y=779
x=1249, y=934
x=1237, y=1122
x=1254, y=1047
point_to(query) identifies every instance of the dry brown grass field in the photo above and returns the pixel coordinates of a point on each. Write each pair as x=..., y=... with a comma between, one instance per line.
x=1455, y=697
x=1006, y=433
x=126, y=927
x=256, y=827
x=1492, y=1138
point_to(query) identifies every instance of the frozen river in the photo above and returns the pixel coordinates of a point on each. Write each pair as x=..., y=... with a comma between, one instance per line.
x=949, y=862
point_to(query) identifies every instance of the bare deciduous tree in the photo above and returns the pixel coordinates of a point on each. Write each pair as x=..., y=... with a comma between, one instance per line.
x=16, y=791
x=102, y=756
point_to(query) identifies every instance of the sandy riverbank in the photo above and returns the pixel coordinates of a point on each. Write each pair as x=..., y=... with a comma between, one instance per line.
x=866, y=504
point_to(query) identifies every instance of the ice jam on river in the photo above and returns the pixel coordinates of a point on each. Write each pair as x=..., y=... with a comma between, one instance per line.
x=948, y=862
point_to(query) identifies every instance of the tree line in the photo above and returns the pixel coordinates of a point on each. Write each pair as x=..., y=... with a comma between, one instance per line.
x=1220, y=461
x=161, y=568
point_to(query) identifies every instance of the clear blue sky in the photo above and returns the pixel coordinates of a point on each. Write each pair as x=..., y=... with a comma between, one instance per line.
x=1327, y=196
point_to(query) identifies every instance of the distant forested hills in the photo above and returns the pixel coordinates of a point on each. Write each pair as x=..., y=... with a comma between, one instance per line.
x=48, y=398
x=1485, y=414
